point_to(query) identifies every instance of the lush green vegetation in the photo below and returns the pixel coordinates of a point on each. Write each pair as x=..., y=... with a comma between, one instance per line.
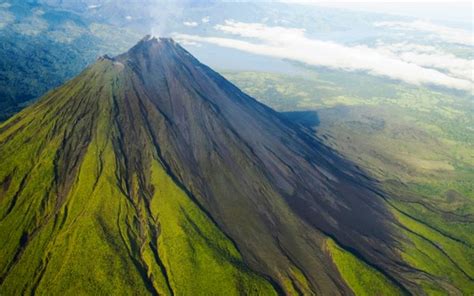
x=416, y=141
x=41, y=48
x=192, y=247
x=435, y=253
x=362, y=279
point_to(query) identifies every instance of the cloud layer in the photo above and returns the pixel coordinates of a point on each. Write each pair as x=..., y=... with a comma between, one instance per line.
x=446, y=34
x=292, y=44
x=430, y=57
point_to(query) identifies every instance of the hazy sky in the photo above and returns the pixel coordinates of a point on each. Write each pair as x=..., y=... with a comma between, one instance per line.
x=440, y=10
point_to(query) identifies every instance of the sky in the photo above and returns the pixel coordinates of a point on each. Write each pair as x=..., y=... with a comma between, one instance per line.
x=457, y=10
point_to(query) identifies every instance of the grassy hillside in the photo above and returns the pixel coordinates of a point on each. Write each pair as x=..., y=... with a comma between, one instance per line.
x=73, y=221
x=362, y=278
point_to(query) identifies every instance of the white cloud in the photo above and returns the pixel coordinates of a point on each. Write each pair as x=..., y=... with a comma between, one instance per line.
x=292, y=44
x=205, y=20
x=447, y=34
x=190, y=24
x=431, y=57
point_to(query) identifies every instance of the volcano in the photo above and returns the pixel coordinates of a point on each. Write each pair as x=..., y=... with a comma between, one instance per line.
x=149, y=173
